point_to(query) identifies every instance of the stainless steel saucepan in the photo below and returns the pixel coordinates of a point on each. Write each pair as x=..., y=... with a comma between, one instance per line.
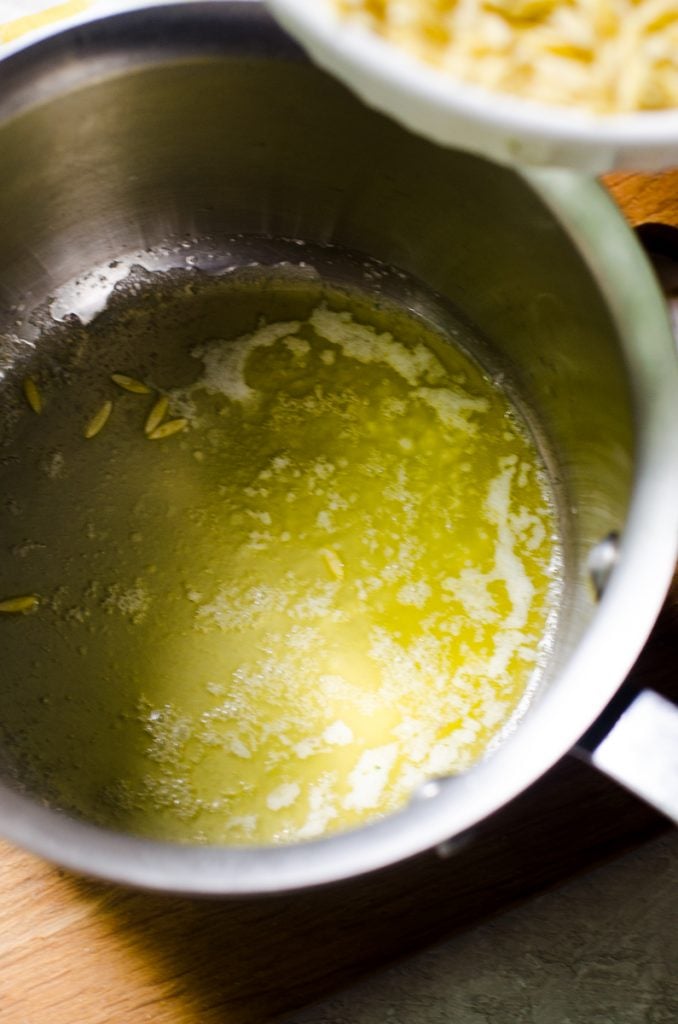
x=155, y=130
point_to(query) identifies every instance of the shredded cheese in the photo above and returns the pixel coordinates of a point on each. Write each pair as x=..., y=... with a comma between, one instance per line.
x=605, y=56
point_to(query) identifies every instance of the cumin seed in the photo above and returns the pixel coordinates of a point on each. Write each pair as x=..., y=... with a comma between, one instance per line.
x=99, y=420
x=156, y=415
x=167, y=429
x=19, y=605
x=136, y=387
x=32, y=395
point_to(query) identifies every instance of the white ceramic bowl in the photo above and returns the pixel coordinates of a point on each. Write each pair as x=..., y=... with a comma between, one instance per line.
x=456, y=114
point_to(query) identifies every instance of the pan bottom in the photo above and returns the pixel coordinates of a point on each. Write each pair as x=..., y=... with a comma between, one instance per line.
x=291, y=550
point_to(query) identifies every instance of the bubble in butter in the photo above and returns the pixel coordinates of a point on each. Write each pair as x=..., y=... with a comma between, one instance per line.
x=363, y=546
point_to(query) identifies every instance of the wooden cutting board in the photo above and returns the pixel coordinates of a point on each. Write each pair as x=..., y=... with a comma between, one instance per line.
x=72, y=950
x=646, y=198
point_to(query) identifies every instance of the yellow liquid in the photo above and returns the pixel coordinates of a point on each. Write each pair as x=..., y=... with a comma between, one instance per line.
x=359, y=579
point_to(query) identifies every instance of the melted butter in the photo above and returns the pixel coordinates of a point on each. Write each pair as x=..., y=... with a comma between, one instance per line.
x=382, y=576
x=360, y=585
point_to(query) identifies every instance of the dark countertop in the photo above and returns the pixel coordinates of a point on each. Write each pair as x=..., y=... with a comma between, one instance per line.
x=601, y=949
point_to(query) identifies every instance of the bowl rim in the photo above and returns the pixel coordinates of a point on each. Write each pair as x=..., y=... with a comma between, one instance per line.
x=353, y=50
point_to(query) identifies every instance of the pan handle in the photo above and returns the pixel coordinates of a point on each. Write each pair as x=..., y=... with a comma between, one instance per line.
x=639, y=749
